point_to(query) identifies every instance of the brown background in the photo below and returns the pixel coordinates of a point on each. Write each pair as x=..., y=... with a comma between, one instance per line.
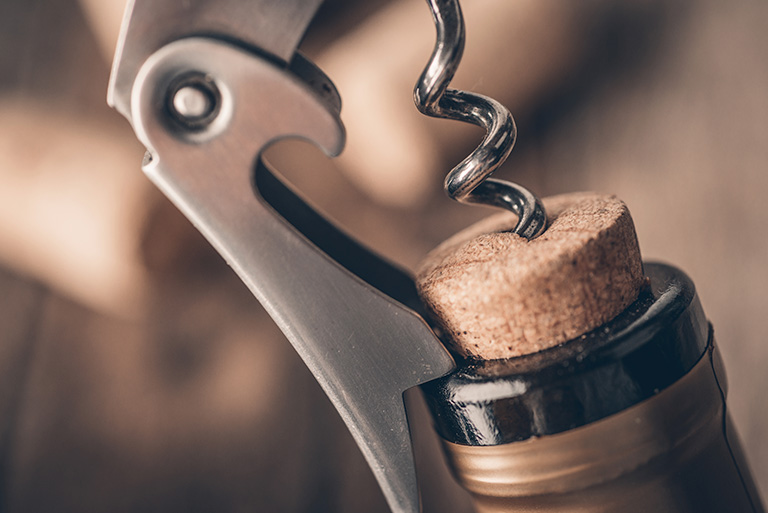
x=139, y=375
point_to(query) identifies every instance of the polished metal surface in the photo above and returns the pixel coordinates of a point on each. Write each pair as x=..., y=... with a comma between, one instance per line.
x=274, y=27
x=469, y=181
x=364, y=347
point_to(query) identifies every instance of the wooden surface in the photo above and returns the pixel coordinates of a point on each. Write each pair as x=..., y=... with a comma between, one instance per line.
x=199, y=406
x=497, y=295
x=202, y=406
x=20, y=309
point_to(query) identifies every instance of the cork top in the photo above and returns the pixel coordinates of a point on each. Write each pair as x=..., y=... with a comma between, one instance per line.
x=498, y=295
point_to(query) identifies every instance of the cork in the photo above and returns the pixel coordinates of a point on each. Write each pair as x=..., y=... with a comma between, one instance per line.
x=497, y=295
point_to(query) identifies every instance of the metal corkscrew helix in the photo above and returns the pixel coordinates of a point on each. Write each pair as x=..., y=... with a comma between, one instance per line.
x=469, y=181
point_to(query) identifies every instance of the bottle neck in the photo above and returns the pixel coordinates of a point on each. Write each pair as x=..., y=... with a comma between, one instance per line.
x=644, y=350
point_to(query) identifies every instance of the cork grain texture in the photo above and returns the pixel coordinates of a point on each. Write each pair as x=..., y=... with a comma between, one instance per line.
x=497, y=295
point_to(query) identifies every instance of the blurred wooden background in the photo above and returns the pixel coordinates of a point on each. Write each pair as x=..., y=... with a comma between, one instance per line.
x=138, y=374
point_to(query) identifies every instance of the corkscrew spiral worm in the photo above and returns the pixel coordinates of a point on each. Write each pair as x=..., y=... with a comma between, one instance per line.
x=469, y=181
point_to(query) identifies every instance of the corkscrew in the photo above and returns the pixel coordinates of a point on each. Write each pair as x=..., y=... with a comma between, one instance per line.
x=469, y=181
x=208, y=85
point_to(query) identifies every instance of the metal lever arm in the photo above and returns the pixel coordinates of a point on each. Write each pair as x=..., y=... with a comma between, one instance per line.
x=364, y=348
